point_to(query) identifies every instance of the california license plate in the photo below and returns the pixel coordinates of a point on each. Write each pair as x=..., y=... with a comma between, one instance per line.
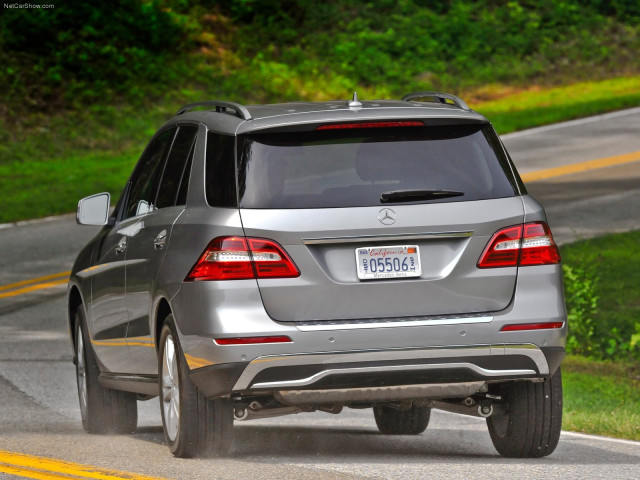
x=388, y=262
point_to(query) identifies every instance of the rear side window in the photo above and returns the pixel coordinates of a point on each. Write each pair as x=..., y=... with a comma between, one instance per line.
x=323, y=169
x=179, y=155
x=220, y=171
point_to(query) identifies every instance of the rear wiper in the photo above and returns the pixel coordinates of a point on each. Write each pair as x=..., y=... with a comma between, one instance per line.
x=413, y=195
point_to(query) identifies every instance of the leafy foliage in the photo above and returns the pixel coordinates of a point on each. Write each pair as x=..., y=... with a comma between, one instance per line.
x=582, y=304
x=455, y=45
x=80, y=51
x=92, y=52
x=604, y=311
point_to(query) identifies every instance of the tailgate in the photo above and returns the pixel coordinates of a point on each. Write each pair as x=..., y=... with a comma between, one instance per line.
x=449, y=237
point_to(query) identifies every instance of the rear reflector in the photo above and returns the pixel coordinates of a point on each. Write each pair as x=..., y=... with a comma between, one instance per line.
x=253, y=340
x=237, y=258
x=531, y=326
x=346, y=126
x=520, y=245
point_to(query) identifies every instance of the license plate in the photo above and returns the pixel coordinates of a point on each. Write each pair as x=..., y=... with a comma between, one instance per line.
x=388, y=262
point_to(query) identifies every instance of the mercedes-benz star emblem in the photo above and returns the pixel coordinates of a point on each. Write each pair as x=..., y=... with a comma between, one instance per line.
x=387, y=216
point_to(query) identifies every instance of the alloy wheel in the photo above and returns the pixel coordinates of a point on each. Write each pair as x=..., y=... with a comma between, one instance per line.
x=81, y=375
x=170, y=389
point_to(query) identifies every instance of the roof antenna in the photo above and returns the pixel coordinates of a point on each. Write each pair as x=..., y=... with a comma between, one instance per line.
x=354, y=103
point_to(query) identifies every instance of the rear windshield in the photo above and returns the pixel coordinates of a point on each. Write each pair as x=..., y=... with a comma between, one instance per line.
x=354, y=168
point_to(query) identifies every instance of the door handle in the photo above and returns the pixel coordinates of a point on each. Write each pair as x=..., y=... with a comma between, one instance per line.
x=122, y=246
x=160, y=240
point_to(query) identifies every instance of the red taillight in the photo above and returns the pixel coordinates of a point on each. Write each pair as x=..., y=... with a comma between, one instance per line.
x=270, y=260
x=521, y=245
x=538, y=247
x=253, y=340
x=236, y=258
x=531, y=326
x=503, y=249
x=347, y=126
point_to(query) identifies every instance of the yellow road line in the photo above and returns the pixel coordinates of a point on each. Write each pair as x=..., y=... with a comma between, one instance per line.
x=32, y=288
x=35, y=474
x=42, y=468
x=11, y=286
x=581, y=167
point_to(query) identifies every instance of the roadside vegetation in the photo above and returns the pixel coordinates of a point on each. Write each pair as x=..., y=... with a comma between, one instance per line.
x=85, y=85
x=602, y=285
x=602, y=376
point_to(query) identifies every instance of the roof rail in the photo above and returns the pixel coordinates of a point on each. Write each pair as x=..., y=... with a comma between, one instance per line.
x=437, y=97
x=221, y=106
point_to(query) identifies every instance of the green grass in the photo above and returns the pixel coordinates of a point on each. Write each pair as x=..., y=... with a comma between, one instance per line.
x=54, y=161
x=534, y=107
x=44, y=187
x=601, y=398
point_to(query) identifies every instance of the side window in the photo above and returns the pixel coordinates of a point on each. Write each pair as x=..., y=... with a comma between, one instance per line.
x=221, y=171
x=175, y=166
x=144, y=181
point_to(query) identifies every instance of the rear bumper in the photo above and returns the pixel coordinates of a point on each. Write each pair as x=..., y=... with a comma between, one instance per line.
x=367, y=353
x=383, y=368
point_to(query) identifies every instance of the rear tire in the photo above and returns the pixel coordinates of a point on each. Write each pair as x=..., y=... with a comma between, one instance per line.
x=194, y=426
x=530, y=427
x=103, y=410
x=392, y=421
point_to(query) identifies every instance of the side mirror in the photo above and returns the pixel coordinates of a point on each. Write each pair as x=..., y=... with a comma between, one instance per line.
x=94, y=210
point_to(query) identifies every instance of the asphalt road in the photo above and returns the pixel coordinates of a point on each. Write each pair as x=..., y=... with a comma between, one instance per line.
x=591, y=202
x=38, y=404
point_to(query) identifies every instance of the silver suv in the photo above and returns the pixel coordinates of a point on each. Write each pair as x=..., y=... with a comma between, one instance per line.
x=273, y=259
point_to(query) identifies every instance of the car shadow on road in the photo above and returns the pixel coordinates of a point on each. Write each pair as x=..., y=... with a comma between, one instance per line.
x=319, y=444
